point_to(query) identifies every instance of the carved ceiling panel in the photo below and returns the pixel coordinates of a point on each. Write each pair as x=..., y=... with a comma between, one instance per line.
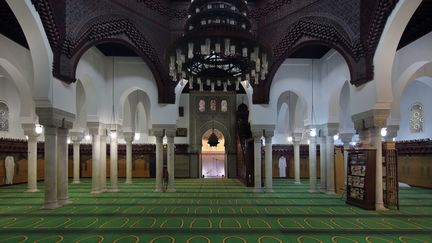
x=353, y=27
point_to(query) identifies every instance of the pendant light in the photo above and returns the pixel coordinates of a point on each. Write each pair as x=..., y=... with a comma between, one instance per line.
x=213, y=140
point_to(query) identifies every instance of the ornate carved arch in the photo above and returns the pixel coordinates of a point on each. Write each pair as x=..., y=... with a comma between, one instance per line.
x=119, y=30
x=308, y=32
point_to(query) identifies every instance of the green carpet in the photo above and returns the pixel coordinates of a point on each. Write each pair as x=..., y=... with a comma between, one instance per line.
x=209, y=210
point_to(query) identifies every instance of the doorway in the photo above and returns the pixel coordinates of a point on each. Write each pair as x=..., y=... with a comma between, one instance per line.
x=213, y=159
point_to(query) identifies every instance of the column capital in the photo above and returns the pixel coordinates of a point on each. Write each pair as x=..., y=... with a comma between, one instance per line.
x=49, y=116
x=260, y=129
x=128, y=136
x=157, y=132
x=371, y=118
x=329, y=129
x=76, y=137
x=96, y=128
x=297, y=137
x=269, y=133
x=29, y=130
x=346, y=138
x=257, y=133
x=170, y=133
x=392, y=131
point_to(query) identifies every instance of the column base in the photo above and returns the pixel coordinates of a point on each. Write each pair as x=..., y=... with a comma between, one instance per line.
x=49, y=206
x=313, y=190
x=257, y=190
x=103, y=190
x=297, y=183
x=269, y=190
x=113, y=190
x=158, y=190
x=380, y=207
x=76, y=182
x=330, y=192
x=64, y=202
x=31, y=190
x=95, y=192
x=128, y=182
x=171, y=190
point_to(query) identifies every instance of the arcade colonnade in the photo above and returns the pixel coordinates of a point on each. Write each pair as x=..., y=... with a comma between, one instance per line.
x=54, y=105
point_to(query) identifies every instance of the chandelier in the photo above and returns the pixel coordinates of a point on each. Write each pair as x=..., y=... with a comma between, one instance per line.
x=218, y=49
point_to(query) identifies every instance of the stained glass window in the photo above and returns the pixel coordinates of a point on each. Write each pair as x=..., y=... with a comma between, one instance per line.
x=201, y=106
x=224, y=106
x=416, y=118
x=4, y=117
x=212, y=105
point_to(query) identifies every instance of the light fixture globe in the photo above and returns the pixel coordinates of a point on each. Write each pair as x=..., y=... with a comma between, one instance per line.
x=218, y=49
x=38, y=129
x=213, y=140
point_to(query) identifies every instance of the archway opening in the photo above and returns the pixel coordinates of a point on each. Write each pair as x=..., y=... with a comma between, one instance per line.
x=213, y=159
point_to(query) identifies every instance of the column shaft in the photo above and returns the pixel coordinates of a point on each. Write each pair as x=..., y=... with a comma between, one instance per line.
x=346, y=148
x=32, y=164
x=50, y=168
x=113, y=165
x=76, y=162
x=257, y=164
x=297, y=163
x=312, y=165
x=330, y=165
x=268, y=165
x=96, y=164
x=323, y=168
x=62, y=167
x=170, y=161
x=128, y=162
x=159, y=164
x=379, y=198
x=103, y=163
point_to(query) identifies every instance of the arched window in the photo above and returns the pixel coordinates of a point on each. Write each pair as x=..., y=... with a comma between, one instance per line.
x=224, y=106
x=212, y=105
x=4, y=117
x=416, y=118
x=201, y=106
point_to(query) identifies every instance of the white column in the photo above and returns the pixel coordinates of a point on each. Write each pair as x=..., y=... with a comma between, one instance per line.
x=257, y=160
x=377, y=143
x=170, y=160
x=113, y=165
x=296, y=162
x=76, y=159
x=268, y=161
x=159, y=160
x=96, y=163
x=50, y=168
x=32, y=160
x=346, y=139
x=330, y=164
x=62, y=167
x=128, y=138
x=323, y=166
x=103, y=175
x=312, y=165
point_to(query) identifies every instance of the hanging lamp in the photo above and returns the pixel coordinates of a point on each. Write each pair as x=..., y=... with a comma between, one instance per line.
x=213, y=140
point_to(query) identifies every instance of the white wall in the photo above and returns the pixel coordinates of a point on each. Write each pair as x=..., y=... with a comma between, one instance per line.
x=420, y=92
x=9, y=95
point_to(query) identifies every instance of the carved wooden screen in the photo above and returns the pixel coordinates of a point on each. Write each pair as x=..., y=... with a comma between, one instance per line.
x=4, y=117
x=416, y=118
